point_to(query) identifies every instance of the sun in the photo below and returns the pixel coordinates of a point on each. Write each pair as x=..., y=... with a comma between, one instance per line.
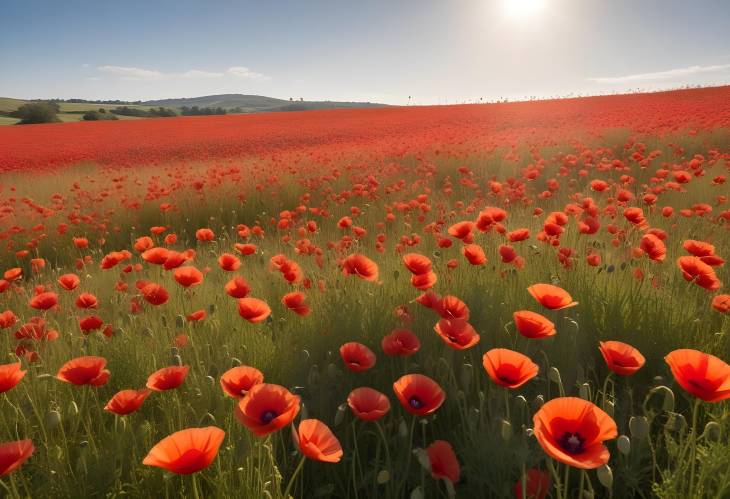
x=520, y=9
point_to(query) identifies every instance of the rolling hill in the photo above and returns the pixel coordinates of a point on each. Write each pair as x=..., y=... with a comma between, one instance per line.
x=255, y=103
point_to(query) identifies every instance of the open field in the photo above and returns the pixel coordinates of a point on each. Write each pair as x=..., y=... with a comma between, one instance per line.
x=272, y=264
x=70, y=111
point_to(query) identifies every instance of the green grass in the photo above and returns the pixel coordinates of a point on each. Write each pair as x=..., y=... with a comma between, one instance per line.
x=70, y=111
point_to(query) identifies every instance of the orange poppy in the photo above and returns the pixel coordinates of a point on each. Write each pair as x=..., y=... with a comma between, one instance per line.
x=457, y=333
x=653, y=247
x=474, y=254
x=229, y=262
x=417, y=264
x=155, y=294
x=69, y=282
x=14, y=454
x=368, y=404
x=126, y=401
x=317, y=442
x=44, y=301
x=443, y=461
x=294, y=301
x=156, y=256
x=7, y=319
x=86, y=300
x=419, y=394
x=721, y=303
x=702, y=274
x=357, y=356
x=572, y=431
x=701, y=374
x=187, y=276
x=424, y=281
x=204, y=234
x=167, y=378
x=360, y=266
x=10, y=375
x=451, y=307
x=267, y=408
x=237, y=381
x=186, y=451
x=509, y=368
x=698, y=248
x=253, y=309
x=551, y=297
x=533, y=325
x=237, y=288
x=400, y=342
x=87, y=370
x=621, y=358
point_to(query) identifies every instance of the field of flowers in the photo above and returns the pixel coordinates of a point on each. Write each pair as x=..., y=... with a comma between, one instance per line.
x=506, y=300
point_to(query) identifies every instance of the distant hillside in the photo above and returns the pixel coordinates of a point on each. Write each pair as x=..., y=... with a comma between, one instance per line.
x=255, y=103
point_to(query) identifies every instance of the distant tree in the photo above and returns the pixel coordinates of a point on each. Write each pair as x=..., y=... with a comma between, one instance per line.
x=37, y=112
x=98, y=115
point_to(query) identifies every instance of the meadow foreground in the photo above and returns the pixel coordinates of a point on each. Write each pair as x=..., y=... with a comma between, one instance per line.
x=505, y=300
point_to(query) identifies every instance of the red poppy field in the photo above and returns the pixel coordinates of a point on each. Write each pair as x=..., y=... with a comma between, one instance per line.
x=505, y=300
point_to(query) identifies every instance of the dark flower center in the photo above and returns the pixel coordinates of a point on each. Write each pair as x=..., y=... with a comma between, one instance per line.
x=415, y=402
x=572, y=443
x=267, y=416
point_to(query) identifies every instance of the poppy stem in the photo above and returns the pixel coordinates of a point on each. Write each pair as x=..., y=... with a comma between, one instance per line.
x=294, y=477
x=565, y=481
x=524, y=481
x=556, y=477
x=693, y=448
x=605, y=387
x=194, y=485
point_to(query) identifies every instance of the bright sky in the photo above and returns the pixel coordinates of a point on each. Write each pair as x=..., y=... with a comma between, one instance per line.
x=437, y=51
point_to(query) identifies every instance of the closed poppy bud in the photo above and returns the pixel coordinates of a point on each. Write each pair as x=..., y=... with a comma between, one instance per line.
x=505, y=430
x=712, y=432
x=639, y=427
x=624, y=445
x=605, y=476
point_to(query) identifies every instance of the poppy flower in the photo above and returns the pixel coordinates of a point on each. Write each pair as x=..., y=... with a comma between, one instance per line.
x=204, y=235
x=419, y=394
x=186, y=451
x=701, y=374
x=357, y=356
x=155, y=294
x=509, y=368
x=90, y=323
x=417, y=264
x=245, y=249
x=653, y=247
x=537, y=485
x=237, y=288
x=474, y=254
x=196, y=316
x=424, y=281
x=13, y=274
x=44, y=301
x=187, y=276
x=14, y=454
x=294, y=301
x=721, y=303
x=86, y=300
x=317, y=442
x=69, y=282
x=229, y=262
x=10, y=375
x=533, y=325
x=253, y=309
x=698, y=248
x=621, y=358
x=551, y=297
x=7, y=319
x=156, y=256
x=451, y=307
x=443, y=461
x=167, y=378
x=267, y=408
x=572, y=430
x=236, y=382
x=126, y=401
x=457, y=333
x=695, y=270
x=368, y=404
x=400, y=342
x=360, y=266
x=87, y=370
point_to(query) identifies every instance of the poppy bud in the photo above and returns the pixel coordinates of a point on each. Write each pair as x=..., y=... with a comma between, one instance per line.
x=207, y=420
x=340, y=415
x=554, y=376
x=174, y=351
x=73, y=409
x=585, y=391
x=211, y=380
x=676, y=422
x=624, y=445
x=466, y=376
x=538, y=402
x=605, y=476
x=177, y=360
x=53, y=419
x=179, y=321
x=163, y=319
x=712, y=432
x=423, y=459
x=521, y=402
x=639, y=427
x=313, y=377
x=304, y=414
x=506, y=430
x=383, y=477
x=417, y=493
x=332, y=371
x=668, y=400
x=235, y=362
x=211, y=308
x=305, y=355
x=608, y=406
x=403, y=429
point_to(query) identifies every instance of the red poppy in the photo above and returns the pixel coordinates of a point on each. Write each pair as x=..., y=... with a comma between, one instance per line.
x=698, y=248
x=400, y=342
x=443, y=461
x=86, y=300
x=13, y=274
x=509, y=368
x=357, y=357
x=621, y=358
x=537, y=485
x=245, y=249
x=701, y=374
x=424, y=281
x=368, y=404
x=156, y=256
x=204, y=235
x=44, y=301
x=695, y=270
x=474, y=254
x=167, y=378
x=10, y=375
x=188, y=276
x=69, y=281
x=237, y=287
x=90, y=323
x=155, y=294
x=229, y=262
x=451, y=307
x=7, y=319
x=653, y=247
x=186, y=451
x=237, y=381
x=419, y=394
x=551, y=297
x=417, y=264
x=267, y=408
x=294, y=301
x=317, y=442
x=126, y=401
x=87, y=370
x=360, y=266
x=14, y=454
x=572, y=431
x=253, y=309
x=721, y=303
x=533, y=325
x=457, y=333
x=196, y=316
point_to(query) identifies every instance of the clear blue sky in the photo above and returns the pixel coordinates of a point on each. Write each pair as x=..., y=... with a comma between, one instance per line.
x=433, y=50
